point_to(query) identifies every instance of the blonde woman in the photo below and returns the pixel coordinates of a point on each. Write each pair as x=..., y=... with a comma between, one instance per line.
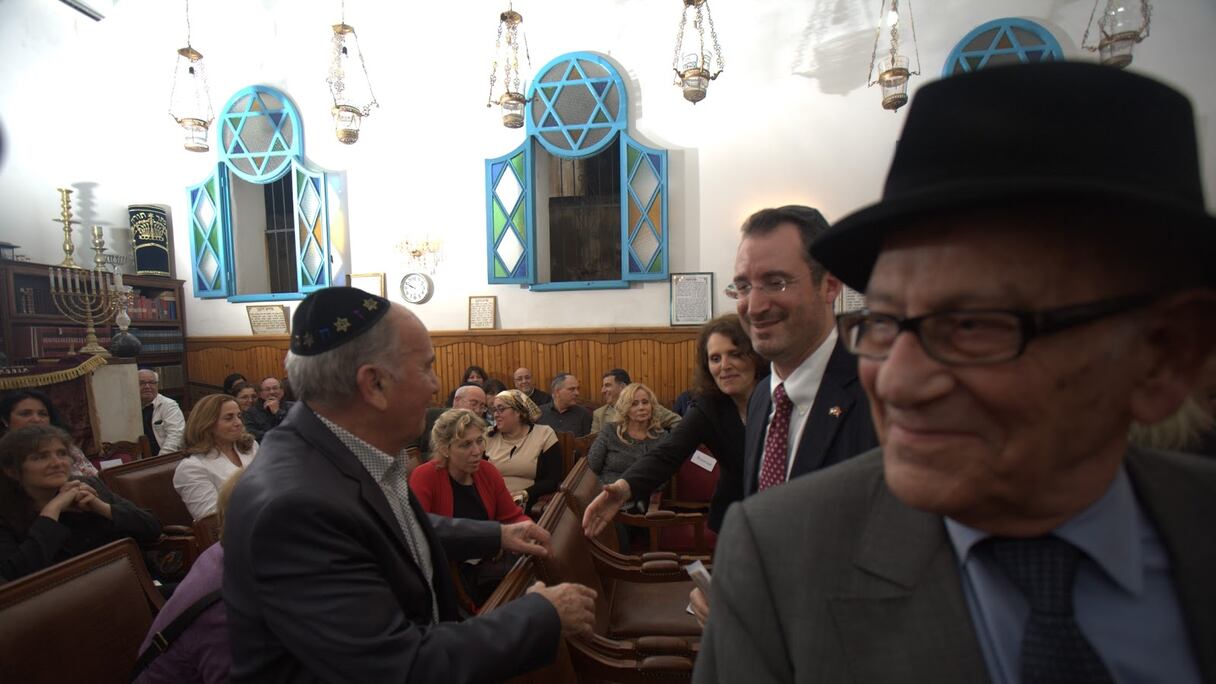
x=218, y=445
x=525, y=453
x=635, y=434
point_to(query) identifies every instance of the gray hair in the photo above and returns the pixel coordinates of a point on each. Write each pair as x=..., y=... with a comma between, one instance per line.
x=558, y=380
x=331, y=376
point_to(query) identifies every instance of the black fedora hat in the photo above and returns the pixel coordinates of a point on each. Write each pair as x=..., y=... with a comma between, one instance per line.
x=1061, y=131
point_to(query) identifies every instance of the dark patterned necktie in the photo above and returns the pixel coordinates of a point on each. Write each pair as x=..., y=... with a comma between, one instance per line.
x=1054, y=651
x=777, y=441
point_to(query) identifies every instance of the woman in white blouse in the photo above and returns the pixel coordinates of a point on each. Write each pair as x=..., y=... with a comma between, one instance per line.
x=218, y=445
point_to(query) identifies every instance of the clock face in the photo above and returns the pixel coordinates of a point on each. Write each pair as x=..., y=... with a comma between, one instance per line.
x=417, y=288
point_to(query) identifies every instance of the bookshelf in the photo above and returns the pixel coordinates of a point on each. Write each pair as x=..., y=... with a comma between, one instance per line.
x=33, y=332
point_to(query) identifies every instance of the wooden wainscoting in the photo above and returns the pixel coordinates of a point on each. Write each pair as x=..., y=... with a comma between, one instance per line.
x=660, y=357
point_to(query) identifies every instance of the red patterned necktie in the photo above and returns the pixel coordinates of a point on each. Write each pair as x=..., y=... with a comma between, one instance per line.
x=776, y=442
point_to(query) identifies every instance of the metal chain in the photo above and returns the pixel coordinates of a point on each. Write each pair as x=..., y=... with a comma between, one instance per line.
x=675, y=58
x=713, y=33
x=494, y=67
x=877, y=37
x=915, y=43
x=1085, y=37
x=187, y=23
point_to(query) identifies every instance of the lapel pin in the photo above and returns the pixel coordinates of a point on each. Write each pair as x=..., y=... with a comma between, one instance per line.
x=835, y=412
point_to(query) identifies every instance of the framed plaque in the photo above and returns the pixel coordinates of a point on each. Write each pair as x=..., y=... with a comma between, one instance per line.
x=483, y=312
x=692, y=298
x=368, y=282
x=268, y=319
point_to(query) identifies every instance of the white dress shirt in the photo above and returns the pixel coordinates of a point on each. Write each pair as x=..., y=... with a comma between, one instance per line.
x=198, y=479
x=801, y=387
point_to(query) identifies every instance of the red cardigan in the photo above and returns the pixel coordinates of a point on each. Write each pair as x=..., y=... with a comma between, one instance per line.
x=430, y=483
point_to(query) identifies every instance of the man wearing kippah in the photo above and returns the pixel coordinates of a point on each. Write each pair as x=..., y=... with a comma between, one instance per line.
x=332, y=571
x=1038, y=275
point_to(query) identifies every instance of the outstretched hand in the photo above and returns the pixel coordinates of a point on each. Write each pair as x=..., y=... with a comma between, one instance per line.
x=603, y=509
x=526, y=537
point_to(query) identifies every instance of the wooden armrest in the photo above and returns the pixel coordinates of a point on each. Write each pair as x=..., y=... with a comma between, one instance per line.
x=659, y=555
x=177, y=531
x=650, y=571
x=660, y=514
x=656, y=567
x=663, y=645
x=665, y=663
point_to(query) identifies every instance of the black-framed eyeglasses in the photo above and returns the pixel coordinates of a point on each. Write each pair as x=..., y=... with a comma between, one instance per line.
x=499, y=409
x=972, y=337
x=769, y=286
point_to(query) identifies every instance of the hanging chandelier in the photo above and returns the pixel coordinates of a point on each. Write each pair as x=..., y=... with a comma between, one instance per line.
x=893, y=69
x=189, y=101
x=694, y=69
x=511, y=102
x=1123, y=24
x=348, y=83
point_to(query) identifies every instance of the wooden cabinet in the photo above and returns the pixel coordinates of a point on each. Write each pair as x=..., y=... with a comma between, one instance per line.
x=33, y=329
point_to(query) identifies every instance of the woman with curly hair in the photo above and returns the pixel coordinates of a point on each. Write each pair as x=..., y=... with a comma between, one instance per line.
x=218, y=446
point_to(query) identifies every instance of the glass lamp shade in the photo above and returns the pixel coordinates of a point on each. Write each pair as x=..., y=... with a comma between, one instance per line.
x=1116, y=50
x=347, y=120
x=893, y=78
x=189, y=102
x=1123, y=24
x=512, y=105
x=695, y=83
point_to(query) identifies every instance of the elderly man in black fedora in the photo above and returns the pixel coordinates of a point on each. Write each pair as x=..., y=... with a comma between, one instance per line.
x=332, y=571
x=1038, y=274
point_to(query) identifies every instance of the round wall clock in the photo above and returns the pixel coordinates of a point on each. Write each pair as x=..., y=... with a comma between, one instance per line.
x=417, y=288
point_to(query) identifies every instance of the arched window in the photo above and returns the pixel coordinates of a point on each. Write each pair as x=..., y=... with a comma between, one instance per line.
x=259, y=224
x=579, y=204
x=1002, y=41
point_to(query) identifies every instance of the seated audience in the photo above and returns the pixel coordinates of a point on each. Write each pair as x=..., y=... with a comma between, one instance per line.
x=199, y=653
x=564, y=413
x=623, y=442
x=246, y=395
x=268, y=411
x=473, y=375
x=526, y=453
x=218, y=445
x=1020, y=316
x=459, y=483
x=615, y=380
x=46, y=515
x=469, y=397
x=231, y=382
x=164, y=423
x=494, y=386
x=20, y=408
x=682, y=403
x=727, y=370
x=523, y=383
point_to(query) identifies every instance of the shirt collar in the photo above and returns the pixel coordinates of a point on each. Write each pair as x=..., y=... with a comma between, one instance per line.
x=803, y=384
x=377, y=462
x=1108, y=531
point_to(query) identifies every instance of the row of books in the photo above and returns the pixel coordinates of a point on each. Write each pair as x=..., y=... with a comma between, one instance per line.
x=160, y=340
x=162, y=307
x=50, y=342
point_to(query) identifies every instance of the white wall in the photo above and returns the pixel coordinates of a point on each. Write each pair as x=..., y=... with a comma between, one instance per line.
x=790, y=120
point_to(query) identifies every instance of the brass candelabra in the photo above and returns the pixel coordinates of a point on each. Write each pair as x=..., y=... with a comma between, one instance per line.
x=65, y=217
x=86, y=297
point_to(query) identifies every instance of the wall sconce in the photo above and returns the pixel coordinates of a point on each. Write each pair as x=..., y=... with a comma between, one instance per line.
x=512, y=100
x=1123, y=24
x=694, y=70
x=348, y=83
x=189, y=101
x=422, y=255
x=893, y=68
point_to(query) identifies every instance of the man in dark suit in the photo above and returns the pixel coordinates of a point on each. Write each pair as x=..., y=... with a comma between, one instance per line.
x=1023, y=309
x=332, y=571
x=811, y=413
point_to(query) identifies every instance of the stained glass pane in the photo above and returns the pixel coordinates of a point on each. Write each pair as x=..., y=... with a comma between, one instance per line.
x=508, y=189
x=595, y=135
x=575, y=104
x=510, y=249
x=208, y=267
x=556, y=139
x=612, y=103
x=1003, y=43
x=981, y=42
x=645, y=244
x=256, y=133
x=205, y=211
x=310, y=203
x=656, y=213
x=312, y=260
x=1027, y=38
x=644, y=182
x=557, y=73
x=500, y=220
x=593, y=70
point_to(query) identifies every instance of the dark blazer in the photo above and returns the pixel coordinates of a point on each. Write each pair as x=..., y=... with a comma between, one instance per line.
x=838, y=428
x=258, y=421
x=320, y=585
x=831, y=578
x=713, y=422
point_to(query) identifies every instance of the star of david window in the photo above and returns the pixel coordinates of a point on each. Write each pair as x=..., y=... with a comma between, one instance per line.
x=259, y=223
x=1002, y=41
x=580, y=204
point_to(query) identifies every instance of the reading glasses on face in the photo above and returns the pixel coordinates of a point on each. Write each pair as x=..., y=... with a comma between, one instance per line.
x=972, y=337
x=769, y=286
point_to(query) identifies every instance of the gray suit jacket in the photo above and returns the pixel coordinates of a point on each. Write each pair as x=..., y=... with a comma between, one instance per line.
x=830, y=578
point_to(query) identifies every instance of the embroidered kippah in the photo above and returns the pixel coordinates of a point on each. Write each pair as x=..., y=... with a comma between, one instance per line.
x=331, y=317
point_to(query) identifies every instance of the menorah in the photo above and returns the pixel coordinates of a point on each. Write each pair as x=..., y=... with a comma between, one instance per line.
x=87, y=298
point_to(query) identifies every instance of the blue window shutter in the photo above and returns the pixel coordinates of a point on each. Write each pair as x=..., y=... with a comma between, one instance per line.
x=510, y=235
x=644, y=228
x=210, y=259
x=311, y=227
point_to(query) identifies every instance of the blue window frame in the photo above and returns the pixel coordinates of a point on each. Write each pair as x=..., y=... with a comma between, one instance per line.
x=261, y=140
x=577, y=107
x=1002, y=41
